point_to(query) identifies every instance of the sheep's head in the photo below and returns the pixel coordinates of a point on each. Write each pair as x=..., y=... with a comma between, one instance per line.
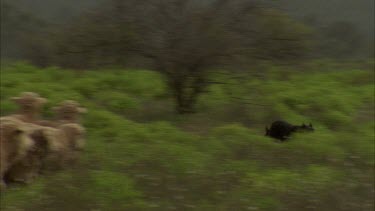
x=30, y=102
x=69, y=110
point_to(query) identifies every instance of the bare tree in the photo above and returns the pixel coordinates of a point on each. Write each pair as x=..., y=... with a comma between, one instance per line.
x=183, y=39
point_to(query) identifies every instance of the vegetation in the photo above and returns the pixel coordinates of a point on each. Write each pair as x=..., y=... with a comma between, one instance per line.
x=184, y=40
x=190, y=39
x=228, y=68
x=141, y=156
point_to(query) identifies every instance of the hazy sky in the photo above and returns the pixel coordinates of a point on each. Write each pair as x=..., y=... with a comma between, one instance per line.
x=360, y=12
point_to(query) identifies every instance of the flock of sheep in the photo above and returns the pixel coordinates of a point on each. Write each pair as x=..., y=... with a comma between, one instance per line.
x=31, y=146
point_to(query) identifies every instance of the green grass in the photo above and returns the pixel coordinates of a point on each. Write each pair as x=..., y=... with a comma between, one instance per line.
x=141, y=156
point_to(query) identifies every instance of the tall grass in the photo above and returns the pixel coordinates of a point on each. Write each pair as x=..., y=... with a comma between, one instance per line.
x=141, y=156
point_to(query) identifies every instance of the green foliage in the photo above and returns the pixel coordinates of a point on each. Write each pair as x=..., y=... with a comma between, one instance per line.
x=217, y=159
x=280, y=37
x=115, y=101
x=113, y=190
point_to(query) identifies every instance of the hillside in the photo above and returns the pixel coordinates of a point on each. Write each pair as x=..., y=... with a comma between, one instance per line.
x=141, y=156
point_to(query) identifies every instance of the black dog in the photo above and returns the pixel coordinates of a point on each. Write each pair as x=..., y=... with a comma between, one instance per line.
x=282, y=130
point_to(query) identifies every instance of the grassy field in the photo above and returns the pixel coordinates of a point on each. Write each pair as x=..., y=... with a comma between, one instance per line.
x=140, y=155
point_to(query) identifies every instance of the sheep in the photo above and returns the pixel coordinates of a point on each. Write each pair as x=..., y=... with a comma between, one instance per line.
x=28, y=168
x=25, y=169
x=50, y=145
x=53, y=149
x=282, y=130
x=71, y=139
x=15, y=144
x=30, y=106
x=66, y=141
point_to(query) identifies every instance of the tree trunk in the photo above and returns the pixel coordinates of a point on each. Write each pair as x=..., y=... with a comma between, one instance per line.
x=184, y=104
x=186, y=94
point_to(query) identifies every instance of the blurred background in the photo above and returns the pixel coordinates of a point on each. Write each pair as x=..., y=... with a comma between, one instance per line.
x=109, y=32
x=179, y=93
